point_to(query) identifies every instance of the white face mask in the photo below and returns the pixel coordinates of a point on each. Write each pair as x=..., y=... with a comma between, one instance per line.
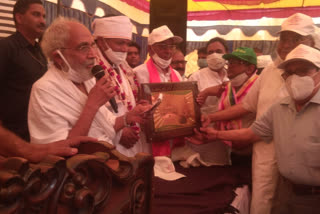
x=114, y=56
x=162, y=63
x=79, y=76
x=215, y=61
x=299, y=88
x=239, y=80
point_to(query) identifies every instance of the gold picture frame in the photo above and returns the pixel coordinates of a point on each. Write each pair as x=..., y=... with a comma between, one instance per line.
x=178, y=113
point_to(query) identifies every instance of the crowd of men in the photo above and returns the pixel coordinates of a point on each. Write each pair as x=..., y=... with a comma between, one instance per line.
x=52, y=98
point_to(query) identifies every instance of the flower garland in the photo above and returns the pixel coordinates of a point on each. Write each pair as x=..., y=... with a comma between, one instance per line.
x=119, y=90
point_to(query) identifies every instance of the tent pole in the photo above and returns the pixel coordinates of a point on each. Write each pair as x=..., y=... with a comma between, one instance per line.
x=58, y=7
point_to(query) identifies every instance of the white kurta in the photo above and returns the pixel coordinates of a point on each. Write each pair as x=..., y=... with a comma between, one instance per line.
x=207, y=78
x=141, y=145
x=267, y=90
x=143, y=74
x=55, y=106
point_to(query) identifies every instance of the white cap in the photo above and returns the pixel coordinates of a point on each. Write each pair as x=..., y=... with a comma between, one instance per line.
x=302, y=52
x=299, y=23
x=263, y=61
x=164, y=168
x=161, y=34
x=112, y=27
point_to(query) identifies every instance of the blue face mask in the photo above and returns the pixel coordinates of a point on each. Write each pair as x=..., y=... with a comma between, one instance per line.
x=202, y=63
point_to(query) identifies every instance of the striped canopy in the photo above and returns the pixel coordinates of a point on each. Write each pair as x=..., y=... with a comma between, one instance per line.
x=231, y=19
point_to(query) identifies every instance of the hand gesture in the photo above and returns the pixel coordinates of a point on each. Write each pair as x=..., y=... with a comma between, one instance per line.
x=67, y=147
x=129, y=137
x=211, y=91
x=198, y=138
x=136, y=115
x=101, y=93
x=209, y=133
x=205, y=120
x=202, y=96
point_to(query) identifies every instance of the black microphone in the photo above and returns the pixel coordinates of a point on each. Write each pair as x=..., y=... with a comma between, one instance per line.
x=98, y=72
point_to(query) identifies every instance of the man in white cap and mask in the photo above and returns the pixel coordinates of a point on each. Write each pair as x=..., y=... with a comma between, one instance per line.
x=113, y=35
x=161, y=46
x=293, y=124
x=67, y=101
x=295, y=30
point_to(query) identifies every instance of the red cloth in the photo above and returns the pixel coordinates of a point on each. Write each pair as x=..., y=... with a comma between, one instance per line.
x=162, y=148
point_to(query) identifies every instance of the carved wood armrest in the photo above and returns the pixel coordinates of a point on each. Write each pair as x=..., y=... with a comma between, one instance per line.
x=97, y=180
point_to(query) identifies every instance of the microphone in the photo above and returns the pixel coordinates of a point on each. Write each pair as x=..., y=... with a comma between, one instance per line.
x=98, y=72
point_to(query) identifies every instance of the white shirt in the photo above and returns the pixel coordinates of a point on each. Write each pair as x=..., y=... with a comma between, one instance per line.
x=207, y=78
x=267, y=90
x=55, y=106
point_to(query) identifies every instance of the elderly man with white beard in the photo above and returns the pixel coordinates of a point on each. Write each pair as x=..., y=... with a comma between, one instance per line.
x=67, y=101
x=113, y=35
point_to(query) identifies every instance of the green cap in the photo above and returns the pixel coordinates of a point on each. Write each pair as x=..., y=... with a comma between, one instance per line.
x=243, y=53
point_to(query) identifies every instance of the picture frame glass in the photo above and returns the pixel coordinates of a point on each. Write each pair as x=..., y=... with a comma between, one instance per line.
x=177, y=114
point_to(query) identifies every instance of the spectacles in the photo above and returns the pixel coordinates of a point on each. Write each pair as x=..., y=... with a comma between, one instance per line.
x=293, y=40
x=179, y=62
x=299, y=72
x=236, y=62
x=84, y=48
x=165, y=46
x=219, y=51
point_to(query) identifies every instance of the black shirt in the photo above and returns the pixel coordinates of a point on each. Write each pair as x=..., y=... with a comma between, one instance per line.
x=21, y=64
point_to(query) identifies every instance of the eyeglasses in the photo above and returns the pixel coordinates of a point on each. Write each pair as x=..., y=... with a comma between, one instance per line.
x=299, y=72
x=165, y=46
x=219, y=51
x=84, y=48
x=179, y=62
x=293, y=40
x=236, y=62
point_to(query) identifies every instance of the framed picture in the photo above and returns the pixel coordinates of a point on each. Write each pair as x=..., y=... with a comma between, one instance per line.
x=176, y=111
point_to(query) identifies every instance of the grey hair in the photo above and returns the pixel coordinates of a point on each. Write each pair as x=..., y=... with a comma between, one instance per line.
x=56, y=36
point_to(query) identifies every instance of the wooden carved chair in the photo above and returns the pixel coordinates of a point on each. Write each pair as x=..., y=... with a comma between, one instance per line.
x=97, y=180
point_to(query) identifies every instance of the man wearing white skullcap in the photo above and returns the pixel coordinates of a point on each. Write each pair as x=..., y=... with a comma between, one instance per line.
x=296, y=29
x=113, y=35
x=161, y=46
x=293, y=124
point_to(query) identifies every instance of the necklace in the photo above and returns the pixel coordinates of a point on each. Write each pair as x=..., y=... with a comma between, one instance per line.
x=120, y=88
x=117, y=79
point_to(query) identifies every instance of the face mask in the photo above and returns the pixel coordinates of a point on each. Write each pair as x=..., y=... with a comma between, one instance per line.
x=299, y=88
x=215, y=61
x=162, y=63
x=114, y=56
x=202, y=63
x=239, y=80
x=79, y=76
